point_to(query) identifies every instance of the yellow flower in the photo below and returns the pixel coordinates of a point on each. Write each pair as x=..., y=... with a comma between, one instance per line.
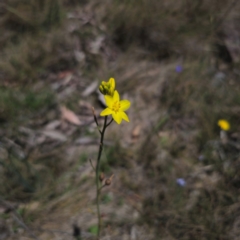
x=224, y=124
x=116, y=108
x=107, y=88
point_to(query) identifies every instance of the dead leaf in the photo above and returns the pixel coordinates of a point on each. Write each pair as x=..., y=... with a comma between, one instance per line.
x=64, y=74
x=79, y=56
x=54, y=135
x=67, y=79
x=86, y=141
x=96, y=45
x=90, y=89
x=40, y=140
x=136, y=131
x=53, y=125
x=69, y=116
x=91, y=141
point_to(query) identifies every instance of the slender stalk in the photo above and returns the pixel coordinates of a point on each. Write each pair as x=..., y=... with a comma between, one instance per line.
x=98, y=189
x=90, y=160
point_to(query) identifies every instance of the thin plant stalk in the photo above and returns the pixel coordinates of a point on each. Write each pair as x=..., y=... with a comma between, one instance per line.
x=98, y=188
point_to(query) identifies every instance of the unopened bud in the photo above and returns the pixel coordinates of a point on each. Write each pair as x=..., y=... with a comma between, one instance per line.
x=107, y=88
x=108, y=181
x=101, y=177
x=101, y=89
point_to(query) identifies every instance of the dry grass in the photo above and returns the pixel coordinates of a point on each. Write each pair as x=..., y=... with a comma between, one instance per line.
x=192, y=150
x=164, y=29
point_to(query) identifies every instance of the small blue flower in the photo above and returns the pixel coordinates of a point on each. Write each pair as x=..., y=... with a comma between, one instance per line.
x=179, y=68
x=181, y=182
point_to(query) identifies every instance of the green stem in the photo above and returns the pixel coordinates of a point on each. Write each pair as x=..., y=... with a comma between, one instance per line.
x=97, y=175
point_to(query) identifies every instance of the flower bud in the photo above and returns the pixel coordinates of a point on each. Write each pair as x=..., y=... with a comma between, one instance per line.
x=108, y=181
x=107, y=88
x=101, y=89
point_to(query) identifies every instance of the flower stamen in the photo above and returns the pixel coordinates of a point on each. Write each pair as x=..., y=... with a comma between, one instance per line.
x=115, y=107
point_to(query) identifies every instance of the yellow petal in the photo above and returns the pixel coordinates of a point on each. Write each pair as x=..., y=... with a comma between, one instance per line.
x=112, y=82
x=117, y=117
x=224, y=124
x=124, y=116
x=125, y=104
x=116, y=96
x=109, y=100
x=106, y=112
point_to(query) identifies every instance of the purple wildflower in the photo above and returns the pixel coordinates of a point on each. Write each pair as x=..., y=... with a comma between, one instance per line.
x=179, y=68
x=181, y=182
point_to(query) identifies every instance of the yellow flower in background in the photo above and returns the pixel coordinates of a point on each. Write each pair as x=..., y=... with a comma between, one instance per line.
x=116, y=108
x=224, y=124
x=107, y=88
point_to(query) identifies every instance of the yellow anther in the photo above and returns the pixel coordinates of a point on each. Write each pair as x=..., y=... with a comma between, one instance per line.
x=116, y=106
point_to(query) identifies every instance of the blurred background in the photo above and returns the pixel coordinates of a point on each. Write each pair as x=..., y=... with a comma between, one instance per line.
x=176, y=173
